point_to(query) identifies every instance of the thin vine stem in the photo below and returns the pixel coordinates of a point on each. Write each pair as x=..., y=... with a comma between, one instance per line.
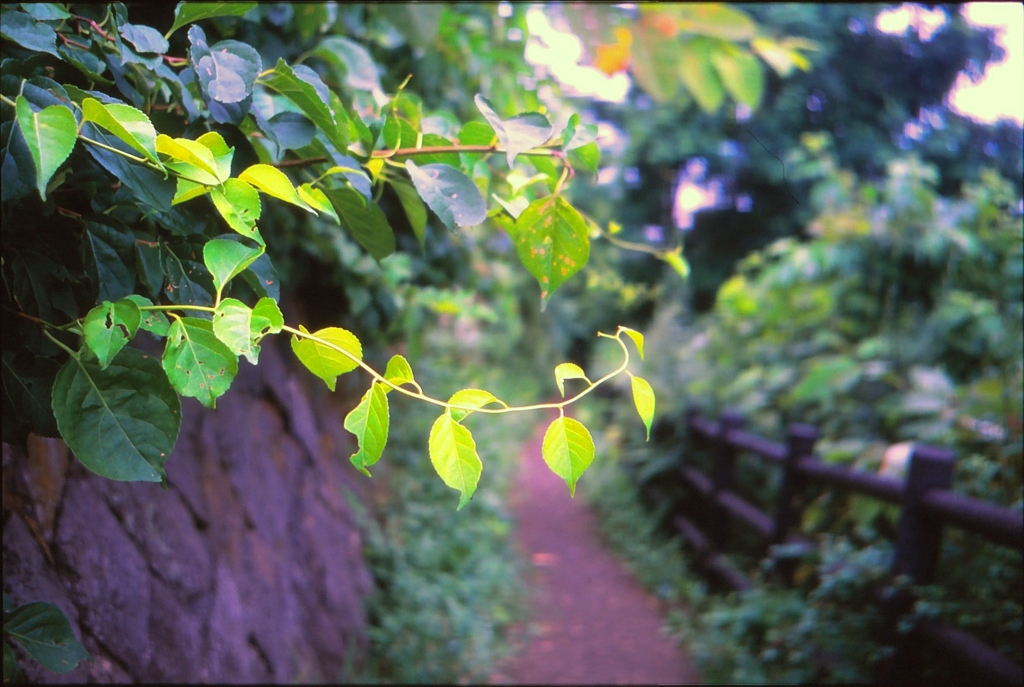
x=379, y=378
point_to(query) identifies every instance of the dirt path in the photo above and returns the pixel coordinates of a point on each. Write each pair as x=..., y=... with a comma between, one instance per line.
x=591, y=621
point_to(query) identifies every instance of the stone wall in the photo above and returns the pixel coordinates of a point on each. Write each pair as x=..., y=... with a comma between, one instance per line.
x=248, y=568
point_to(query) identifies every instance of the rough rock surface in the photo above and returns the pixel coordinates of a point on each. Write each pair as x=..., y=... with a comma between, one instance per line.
x=248, y=568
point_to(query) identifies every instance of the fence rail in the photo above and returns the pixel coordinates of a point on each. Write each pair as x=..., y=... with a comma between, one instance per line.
x=926, y=506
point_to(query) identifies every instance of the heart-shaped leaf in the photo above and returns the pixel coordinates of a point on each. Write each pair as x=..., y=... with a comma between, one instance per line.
x=398, y=372
x=324, y=361
x=453, y=455
x=109, y=326
x=552, y=243
x=568, y=449
x=128, y=124
x=198, y=363
x=122, y=422
x=239, y=204
x=227, y=259
x=50, y=134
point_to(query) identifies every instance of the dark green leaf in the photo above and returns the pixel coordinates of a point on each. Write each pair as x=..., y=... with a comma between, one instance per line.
x=366, y=222
x=27, y=385
x=152, y=190
x=145, y=39
x=413, y=205
x=121, y=422
x=187, y=12
x=109, y=249
x=288, y=83
x=450, y=194
x=44, y=632
x=197, y=363
x=262, y=277
x=186, y=279
x=18, y=170
x=27, y=32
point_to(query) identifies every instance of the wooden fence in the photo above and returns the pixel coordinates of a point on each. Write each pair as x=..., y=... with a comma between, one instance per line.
x=926, y=506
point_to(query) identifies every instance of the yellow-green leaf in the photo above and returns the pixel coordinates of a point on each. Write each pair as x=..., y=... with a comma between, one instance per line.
x=566, y=371
x=552, y=243
x=637, y=337
x=317, y=200
x=568, y=449
x=398, y=372
x=194, y=154
x=128, y=124
x=276, y=183
x=326, y=362
x=109, y=326
x=453, y=455
x=198, y=363
x=239, y=204
x=472, y=398
x=50, y=135
x=369, y=422
x=643, y=398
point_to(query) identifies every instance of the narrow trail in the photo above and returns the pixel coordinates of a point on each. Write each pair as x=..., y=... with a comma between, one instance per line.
x=590, y=621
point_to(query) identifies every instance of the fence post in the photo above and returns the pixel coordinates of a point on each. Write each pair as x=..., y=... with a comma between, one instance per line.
x=722, y=474
x=800, y=440
x=918, y=543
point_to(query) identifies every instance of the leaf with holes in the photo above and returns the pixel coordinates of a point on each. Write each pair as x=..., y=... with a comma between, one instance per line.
x=643, y=399
x=552, y=243
x=152, y=321
x=109, y=326
x=568, y=450
x=50, y=134
x=44, y=632
x=471, y=398
x=241, y=328
x=568, y=371
x=518, y=134
x=239, y=204
x=198, y=363
x=453, y=455
x=450, y=194
x=122, y=422
x=323, y=361
x=369, y=422
x=227, y=259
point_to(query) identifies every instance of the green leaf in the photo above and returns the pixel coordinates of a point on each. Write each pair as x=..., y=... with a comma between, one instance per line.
x=352, y=60
x=50, y=134
x=239, y=204
x=145, y=39
x=415, y=210
x=369, y=422
x=398, y=372
x=266, y=317
x=128, y=124
x=227, y=259
x=274, y=182
x=285, y=81
x=677, y=262
x=12, y=673
x=643, y=398
x=27, y=388
x=153, y=321
x=197, y=362
x=566, y=371
x=472, y=398
x=552, y=243
x=28, y=33
x=654, y=60
x=366, y=222
x=109, y=252
x=518, y=134
x=637, y=337
x=741, y=73
x=222, y=153
x=699, y=75
x=188, y=12
x=232, y=324
x=450, y=194
x=712, y=19
x=568, y=450
x=323, y=361
x=587, y=156
x=453, y=455
x=316, y=199
x=109, y=326
x=476, y=134
x=122, y=422
x=44, y=632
